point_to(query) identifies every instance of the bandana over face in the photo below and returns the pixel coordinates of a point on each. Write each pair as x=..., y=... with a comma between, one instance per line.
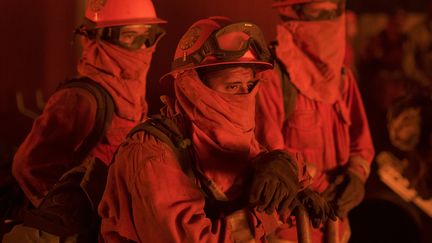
x=222, y=128
x=313, y=52
x=121, y=72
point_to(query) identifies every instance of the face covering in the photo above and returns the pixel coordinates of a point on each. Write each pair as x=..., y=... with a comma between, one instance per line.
x=222, y=128
x=313, y=52
x=121, y=72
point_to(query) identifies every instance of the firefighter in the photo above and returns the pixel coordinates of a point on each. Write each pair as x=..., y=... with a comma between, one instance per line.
x=409, y=127
x=400, y=190
x=310, y=105
x=215, y=193
x=118, y=40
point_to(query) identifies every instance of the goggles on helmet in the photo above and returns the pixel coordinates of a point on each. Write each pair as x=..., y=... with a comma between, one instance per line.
x=306, y=12
x=116, y=36
x=230, y=43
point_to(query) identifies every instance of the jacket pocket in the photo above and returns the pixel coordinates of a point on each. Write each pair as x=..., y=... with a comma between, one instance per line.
x=304, y=130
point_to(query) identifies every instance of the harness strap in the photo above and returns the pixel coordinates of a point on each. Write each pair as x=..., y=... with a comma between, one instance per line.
x=289, y=91
x=104, y=113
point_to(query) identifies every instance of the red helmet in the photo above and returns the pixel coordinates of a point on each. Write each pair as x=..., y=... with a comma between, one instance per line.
x=106, y=13
x=219, y=41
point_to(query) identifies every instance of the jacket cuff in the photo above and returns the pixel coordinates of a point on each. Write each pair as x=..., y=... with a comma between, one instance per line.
x=360, y=167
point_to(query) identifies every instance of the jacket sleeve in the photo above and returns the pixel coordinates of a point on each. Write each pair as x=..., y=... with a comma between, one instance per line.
x=361, y=147
x=47, y=151
x=149, y=198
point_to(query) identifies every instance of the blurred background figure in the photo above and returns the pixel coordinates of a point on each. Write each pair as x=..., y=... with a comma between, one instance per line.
x=404, y=178
x=388, y=67
x=410, y=132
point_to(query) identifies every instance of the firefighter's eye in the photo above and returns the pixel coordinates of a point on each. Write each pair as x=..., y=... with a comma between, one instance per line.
x=252, y=83
x=232, y=87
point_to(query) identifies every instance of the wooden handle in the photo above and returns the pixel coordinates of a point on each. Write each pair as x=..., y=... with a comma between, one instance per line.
x=331, y=232
x=303, y=225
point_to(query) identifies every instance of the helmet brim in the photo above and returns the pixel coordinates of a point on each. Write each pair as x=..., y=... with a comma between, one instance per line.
x=287, y=3
x=260, y=65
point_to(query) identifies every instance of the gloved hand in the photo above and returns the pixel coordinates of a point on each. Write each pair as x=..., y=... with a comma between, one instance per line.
x=345, y=192
x=318, y=208
x=274, y=182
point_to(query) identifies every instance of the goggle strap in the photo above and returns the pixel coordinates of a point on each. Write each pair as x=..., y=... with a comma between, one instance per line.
x=195, y=58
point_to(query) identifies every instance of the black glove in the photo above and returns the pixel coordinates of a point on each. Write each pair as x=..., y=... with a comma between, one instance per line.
x=317, y=207
x=215, y=209
x=345, y=192
x=274, y=182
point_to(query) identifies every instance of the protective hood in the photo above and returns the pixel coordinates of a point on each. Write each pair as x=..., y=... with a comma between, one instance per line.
x=222, y=128
x=313, y=52
x=121, y=72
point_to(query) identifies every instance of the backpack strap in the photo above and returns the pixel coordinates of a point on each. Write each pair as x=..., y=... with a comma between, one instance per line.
x=104, y=113
x=216, y=202
x=168, y=132
x=289, y=91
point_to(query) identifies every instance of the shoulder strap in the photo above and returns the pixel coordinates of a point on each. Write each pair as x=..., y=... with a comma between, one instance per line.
x=104, y=113
x=168, y=132
x=289, y=91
